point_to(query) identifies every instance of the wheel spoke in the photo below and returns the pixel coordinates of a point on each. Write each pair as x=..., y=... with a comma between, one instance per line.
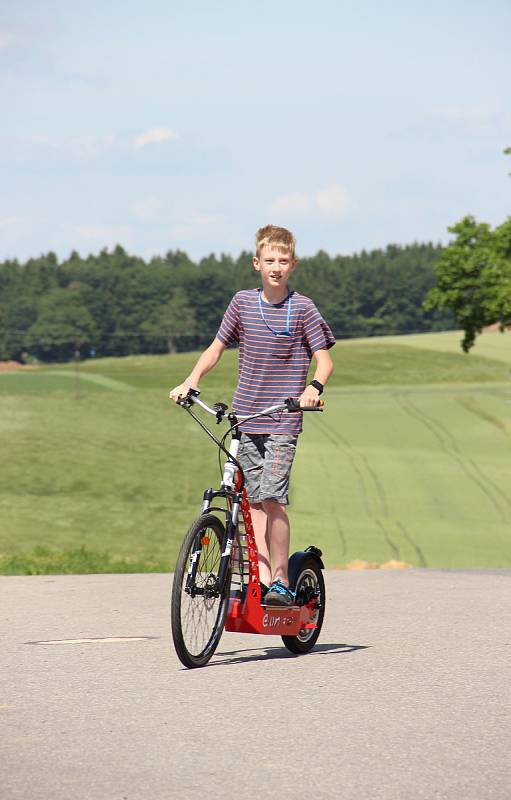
x=197, y=621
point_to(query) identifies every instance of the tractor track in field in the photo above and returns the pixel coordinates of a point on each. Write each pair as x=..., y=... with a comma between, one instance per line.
x=340, y=530
x=380, y=498
x=413, y=544
x=470, y=405
x=394, y=549
x=348, y=452
x=449, y=446
x=377, y=506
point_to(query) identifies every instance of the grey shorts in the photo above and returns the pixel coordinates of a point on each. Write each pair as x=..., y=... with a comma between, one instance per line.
x=266, y=460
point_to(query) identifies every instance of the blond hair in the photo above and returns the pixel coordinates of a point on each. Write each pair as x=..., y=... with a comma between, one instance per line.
x=276, y=237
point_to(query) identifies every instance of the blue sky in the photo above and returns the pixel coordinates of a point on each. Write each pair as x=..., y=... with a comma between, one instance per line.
x=158, y=126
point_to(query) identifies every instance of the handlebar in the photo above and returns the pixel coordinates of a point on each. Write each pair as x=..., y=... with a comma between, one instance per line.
x=219, y=410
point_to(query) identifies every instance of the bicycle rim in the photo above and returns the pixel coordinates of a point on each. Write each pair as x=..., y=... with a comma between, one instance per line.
x=198, y=618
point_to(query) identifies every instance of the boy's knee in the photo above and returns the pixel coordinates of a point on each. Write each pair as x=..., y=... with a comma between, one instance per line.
x=274, y=508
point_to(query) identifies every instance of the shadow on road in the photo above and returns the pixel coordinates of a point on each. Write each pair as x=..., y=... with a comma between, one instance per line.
x=267, y=653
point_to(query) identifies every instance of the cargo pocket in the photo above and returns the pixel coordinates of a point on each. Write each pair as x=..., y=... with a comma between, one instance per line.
x=283, y=454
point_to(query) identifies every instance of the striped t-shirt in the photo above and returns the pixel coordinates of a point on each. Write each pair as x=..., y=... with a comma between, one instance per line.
x=272, y=367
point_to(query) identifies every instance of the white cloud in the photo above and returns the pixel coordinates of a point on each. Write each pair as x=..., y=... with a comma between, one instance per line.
x=147, y=209
x=154, y=136
x=83, y=146
x=298, y=203
x=42, y=139
x=332, y=201
x=14, y=228
x=195, y=227
x=10, y=39
x=90, y=146
x=478, y=121
x=15, y=231
x=106, y=235
x=7, y=223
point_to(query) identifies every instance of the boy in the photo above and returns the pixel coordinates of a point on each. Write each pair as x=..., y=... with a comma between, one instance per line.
x=278, y=331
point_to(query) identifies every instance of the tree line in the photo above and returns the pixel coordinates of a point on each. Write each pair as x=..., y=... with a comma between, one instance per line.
x=115, y=304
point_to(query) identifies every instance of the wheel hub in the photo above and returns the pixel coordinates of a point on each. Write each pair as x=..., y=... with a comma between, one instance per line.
x=211, y=590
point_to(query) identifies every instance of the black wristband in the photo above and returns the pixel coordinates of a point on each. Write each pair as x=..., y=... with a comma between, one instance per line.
x=317, y=385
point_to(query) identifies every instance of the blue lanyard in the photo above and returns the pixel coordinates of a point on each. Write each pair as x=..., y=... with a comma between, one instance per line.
x=287, y=332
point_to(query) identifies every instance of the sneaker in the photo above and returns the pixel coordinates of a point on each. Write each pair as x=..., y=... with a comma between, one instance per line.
x=279, y=595
x=264, y=589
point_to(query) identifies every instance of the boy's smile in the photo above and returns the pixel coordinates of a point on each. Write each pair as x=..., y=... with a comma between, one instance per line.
x=275, y=265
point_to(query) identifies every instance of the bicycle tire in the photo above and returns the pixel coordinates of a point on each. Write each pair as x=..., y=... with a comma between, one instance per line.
x=198, y=622
x=309, y=581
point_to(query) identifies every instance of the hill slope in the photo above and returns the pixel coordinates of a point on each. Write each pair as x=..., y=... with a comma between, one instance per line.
x=410, y=460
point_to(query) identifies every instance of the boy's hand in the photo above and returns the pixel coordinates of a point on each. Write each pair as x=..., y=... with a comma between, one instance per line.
x=180, y=391
x=309, y=398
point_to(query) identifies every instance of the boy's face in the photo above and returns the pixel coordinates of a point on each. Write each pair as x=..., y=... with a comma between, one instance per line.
x=275, y=265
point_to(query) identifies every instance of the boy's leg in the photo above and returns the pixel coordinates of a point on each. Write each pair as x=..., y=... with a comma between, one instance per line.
x=280, y=451
x=261, y=533
x=278, y=533
x=266, y=462
x=251, y=457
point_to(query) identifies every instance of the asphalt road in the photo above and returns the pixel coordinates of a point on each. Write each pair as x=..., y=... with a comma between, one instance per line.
x=406, y=695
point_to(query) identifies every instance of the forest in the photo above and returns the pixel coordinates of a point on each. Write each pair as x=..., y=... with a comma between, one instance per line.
x=114, y=303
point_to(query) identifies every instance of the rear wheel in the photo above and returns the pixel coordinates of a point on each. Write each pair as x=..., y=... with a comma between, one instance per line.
x=198, y=613
x=310, y=591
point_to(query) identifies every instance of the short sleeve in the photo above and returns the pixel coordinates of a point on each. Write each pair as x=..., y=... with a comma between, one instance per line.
x=317, y=333
x=228, y=332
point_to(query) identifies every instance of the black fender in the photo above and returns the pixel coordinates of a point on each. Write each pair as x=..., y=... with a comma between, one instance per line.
x=297, y=559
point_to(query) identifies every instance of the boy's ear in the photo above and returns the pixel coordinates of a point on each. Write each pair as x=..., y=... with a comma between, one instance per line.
x=255, y=263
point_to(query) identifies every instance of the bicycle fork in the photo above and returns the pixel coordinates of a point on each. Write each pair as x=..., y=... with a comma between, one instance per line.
x=216, y=586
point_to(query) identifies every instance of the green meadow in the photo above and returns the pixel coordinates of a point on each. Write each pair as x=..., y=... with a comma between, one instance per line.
x=410, y=460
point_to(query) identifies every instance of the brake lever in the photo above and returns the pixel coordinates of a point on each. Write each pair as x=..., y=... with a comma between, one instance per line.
x=220, y=409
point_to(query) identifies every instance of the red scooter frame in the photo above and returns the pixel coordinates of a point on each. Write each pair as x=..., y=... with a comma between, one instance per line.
x=248, y=614
x=205, y=597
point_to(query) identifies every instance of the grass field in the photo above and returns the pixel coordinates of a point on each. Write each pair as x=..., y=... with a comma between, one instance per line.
x=410, y=461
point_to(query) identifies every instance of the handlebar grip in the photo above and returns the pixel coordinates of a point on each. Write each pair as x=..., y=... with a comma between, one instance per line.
x=188, y=399
x=293, y=405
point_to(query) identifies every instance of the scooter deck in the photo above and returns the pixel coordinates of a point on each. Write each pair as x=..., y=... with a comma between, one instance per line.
x=245, y=616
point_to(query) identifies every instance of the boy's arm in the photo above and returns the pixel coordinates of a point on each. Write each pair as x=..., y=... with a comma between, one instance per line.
x=324, y=368
x=206, y=362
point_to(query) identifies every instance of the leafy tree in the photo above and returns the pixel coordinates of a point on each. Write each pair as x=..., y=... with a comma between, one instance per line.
x=4, y=349
x=474, y=277
x=63, y=326
x=209, y=291
x=171, y=322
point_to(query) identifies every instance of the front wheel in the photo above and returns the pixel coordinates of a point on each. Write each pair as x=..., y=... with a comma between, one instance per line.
x=310, y=591
x=199, y=604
